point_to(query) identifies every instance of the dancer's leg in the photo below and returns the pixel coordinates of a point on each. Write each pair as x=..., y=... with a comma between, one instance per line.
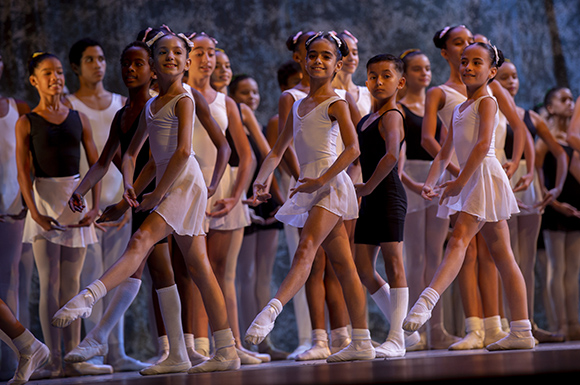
x=554, y=242
x=195, y=252
x=571, y=283
x=496, y=235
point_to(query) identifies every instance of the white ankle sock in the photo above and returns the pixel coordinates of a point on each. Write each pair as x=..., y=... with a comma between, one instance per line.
x=202, y=345
x=189, y=341
x=97, y=289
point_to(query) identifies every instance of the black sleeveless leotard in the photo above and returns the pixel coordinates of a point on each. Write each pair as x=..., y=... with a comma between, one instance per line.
x=55, y=148
x=142, y=159
x=413, y=125
x=552, y=219
x=382, y=213
x=509, y=135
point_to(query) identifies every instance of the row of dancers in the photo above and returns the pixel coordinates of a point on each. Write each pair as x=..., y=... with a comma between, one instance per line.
x=359, y=170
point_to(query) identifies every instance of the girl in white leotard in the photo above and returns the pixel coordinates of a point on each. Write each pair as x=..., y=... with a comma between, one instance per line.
x=481, y=195
x=168, y=122
x=226, y=214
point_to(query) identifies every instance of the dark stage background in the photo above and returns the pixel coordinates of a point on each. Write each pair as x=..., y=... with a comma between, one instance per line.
x=540, y=37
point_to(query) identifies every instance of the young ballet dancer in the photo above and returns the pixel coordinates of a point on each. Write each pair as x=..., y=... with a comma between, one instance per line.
x=478, y=279
x=424, y=232
x=226, y=214
x=561, y=218
x=12, y=214
x=384, y=202
x=88, y=62
x=168, y=122
x=59, y=237
x=525, y=225
x=323, y=197
x=137, y=75
x=481, y=194
x=31, y=353
x=222, y=74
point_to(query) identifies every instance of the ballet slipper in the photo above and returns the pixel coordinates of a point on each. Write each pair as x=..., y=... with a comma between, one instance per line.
x=76, y=369
x=225, y=358
x=247, y=359
x=512, y=342
x=474, y=336
x=127, y=364
x=390, y=349
x=264, y=322
x=421, y=310
x=167, y=366
x=519, y=337
x=544, y=335
x=31, y=358
x=80, y=305
x=318, y=351
x=87, y=349
x=360, y=348
x=411, y=339
x=263, y=357
x=421, y=344
x=472, y=340
x=301, y=348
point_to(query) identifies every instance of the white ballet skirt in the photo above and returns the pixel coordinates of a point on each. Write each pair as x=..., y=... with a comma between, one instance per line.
x=533, y=194
x=183, y=206
x=315, y=138
x=206, y=155
x=487, y=195
x=51, y=196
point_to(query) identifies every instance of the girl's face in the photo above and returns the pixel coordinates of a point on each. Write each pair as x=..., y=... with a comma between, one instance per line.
x=562, y=103
x=222, y=74
x=93, y=65
x=203, y=59
x=507, y=75
x=135, y=68
x=322, y=60
x=170, y=56
x=418, y=72
x=459, y=38
x=475, y=67
x=350, y=62
x=247, y=92
x=383, y=80
x=48, y=77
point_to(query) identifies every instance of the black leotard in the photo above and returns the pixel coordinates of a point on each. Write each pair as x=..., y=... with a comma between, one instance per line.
x=552, y=219
x=413, y=125
x=382, y=213
x=55, y=148
x=509, y=135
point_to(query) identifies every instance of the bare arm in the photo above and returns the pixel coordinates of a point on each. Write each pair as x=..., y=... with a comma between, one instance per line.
x=434, y=100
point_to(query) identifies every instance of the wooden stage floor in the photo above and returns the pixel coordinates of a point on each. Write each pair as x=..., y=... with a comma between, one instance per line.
x=553, y=362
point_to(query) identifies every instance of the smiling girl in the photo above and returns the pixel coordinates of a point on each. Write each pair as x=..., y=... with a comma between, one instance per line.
x=481, y=194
